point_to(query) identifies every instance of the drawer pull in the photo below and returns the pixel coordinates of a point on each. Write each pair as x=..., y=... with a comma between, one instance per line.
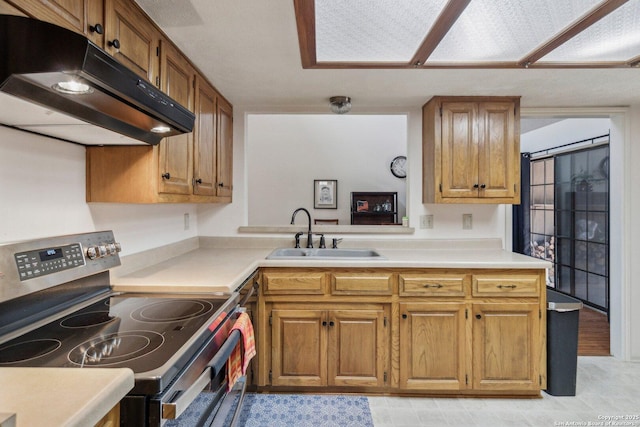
x=506, y=286
x=428, y=285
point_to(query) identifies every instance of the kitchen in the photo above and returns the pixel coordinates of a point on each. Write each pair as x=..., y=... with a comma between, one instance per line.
x=34, y=168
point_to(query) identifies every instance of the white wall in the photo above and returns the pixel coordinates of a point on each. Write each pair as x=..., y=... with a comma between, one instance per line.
x=566, y=131
x=287, y=152
x=42, y=193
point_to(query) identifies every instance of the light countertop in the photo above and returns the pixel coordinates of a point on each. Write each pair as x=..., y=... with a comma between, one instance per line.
x=61, y=396
x=224, y=269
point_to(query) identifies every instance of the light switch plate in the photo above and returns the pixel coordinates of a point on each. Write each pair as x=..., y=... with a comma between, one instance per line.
x=426, y=221
x=467, y=221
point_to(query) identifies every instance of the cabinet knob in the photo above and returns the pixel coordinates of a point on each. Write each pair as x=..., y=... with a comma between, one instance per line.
x=324, y=323
x=221, y=184
x=332, y=323
x=166, y=175
x=96, y=28
x=478, y=316
x=475, y=186
x=114, y=43
x=199, y=181
x=483, y=186
x=404, y=316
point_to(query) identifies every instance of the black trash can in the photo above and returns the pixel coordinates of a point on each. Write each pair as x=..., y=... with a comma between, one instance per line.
x=562, y=343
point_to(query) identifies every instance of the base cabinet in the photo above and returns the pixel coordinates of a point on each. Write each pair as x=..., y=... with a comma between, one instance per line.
x=505, y=347
x=433, y=346
x=473, y=332
x=320, y=347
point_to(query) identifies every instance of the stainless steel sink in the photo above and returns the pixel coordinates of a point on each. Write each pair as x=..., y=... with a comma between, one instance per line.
x=298, y=253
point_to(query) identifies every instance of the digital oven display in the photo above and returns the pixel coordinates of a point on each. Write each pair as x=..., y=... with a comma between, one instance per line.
x=49, y=254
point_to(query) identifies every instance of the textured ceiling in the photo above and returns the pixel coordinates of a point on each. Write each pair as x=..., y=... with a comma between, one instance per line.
x=249, y=50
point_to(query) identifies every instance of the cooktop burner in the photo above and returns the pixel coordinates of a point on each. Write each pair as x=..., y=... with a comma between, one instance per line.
x=83, y=320
x=26, y=351
x=171, y=311
x=115, y=348
x=139, y=332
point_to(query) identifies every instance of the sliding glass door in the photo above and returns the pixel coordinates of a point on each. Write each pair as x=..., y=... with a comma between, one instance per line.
x=570, y=221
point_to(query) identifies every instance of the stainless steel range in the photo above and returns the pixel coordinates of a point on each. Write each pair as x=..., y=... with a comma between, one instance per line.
x=57, y=309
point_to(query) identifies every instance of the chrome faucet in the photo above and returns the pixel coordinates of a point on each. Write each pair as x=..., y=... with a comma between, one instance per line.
x=309, y=235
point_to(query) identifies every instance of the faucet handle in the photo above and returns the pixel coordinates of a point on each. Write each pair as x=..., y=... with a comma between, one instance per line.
x=322, y=243
x=334, y=243
x=298, y=234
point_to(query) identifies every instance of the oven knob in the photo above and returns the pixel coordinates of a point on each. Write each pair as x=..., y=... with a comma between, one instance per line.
x=111, y=249
x=92, y=252
x=102, y=251
x=118, y=247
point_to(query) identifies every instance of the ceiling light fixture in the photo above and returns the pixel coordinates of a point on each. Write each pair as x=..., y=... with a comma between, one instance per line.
x=340, y=104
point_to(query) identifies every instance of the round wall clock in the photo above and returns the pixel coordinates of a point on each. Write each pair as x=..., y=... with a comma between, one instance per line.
x=399, y=167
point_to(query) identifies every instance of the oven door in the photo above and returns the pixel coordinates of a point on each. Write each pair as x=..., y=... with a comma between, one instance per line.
x=216, y=406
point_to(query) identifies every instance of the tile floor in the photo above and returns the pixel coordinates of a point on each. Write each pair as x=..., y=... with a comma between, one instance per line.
x=605, y=387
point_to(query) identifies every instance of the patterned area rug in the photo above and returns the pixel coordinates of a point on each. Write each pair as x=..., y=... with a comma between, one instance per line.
x=305, y=410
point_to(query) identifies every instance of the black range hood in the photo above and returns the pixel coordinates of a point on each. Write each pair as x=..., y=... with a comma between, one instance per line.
x=37, y=62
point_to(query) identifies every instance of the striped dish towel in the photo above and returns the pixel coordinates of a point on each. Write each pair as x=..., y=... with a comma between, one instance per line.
x=243, y=352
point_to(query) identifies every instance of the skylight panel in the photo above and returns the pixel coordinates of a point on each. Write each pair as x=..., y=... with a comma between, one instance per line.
x=616, y=37
x=372, y=31
x=490, y=30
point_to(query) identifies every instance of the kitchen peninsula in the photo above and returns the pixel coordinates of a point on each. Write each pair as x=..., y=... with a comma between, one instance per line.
x=466, y=320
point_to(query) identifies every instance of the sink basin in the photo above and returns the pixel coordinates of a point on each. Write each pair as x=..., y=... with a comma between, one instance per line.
x=298, y=253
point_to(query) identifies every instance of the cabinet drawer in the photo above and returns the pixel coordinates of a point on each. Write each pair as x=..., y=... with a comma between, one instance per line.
x=426, y=284
x=293, y=283
x=361, y=283
x=506, y=285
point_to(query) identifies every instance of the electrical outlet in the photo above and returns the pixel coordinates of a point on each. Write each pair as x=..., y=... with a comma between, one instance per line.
x=186, y=221
x=426, y=221
x=467, y=221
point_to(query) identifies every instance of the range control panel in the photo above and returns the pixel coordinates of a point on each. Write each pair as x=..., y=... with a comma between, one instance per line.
x=33, y=265
x=44, y=261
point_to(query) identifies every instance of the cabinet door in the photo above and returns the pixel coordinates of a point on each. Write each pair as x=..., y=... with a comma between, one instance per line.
x=176, y=152
x=76, y=15
x=299, y=347
x=224, y=139
x=204, y=142
x=459, y=149
x=433, y=345
x=137, y=38
x=506, y=346
x=357, y=350
x=499, y=150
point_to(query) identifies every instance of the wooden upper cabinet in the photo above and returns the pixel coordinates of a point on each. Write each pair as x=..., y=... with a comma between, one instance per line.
x=204, y=158
x=471, y=150
x=132, y=38
x=224, y=158
x=176, y=152
x=213, y=144
x=82, y=16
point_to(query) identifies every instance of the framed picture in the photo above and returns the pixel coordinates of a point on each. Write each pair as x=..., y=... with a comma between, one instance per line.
x=325, y=194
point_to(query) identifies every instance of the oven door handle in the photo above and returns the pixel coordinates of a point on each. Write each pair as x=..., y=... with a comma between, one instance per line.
x=219, y=361
x=172, y=410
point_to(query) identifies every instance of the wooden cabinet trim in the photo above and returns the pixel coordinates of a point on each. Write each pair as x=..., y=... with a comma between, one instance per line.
x=506, y=285
x=361, y=283
x=283, y=282
x=433, y=284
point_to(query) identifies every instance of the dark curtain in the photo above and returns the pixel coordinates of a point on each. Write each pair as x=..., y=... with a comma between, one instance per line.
x=521, y=213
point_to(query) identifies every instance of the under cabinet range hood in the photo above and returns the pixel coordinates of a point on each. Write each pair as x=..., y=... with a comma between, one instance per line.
x=56, y=82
